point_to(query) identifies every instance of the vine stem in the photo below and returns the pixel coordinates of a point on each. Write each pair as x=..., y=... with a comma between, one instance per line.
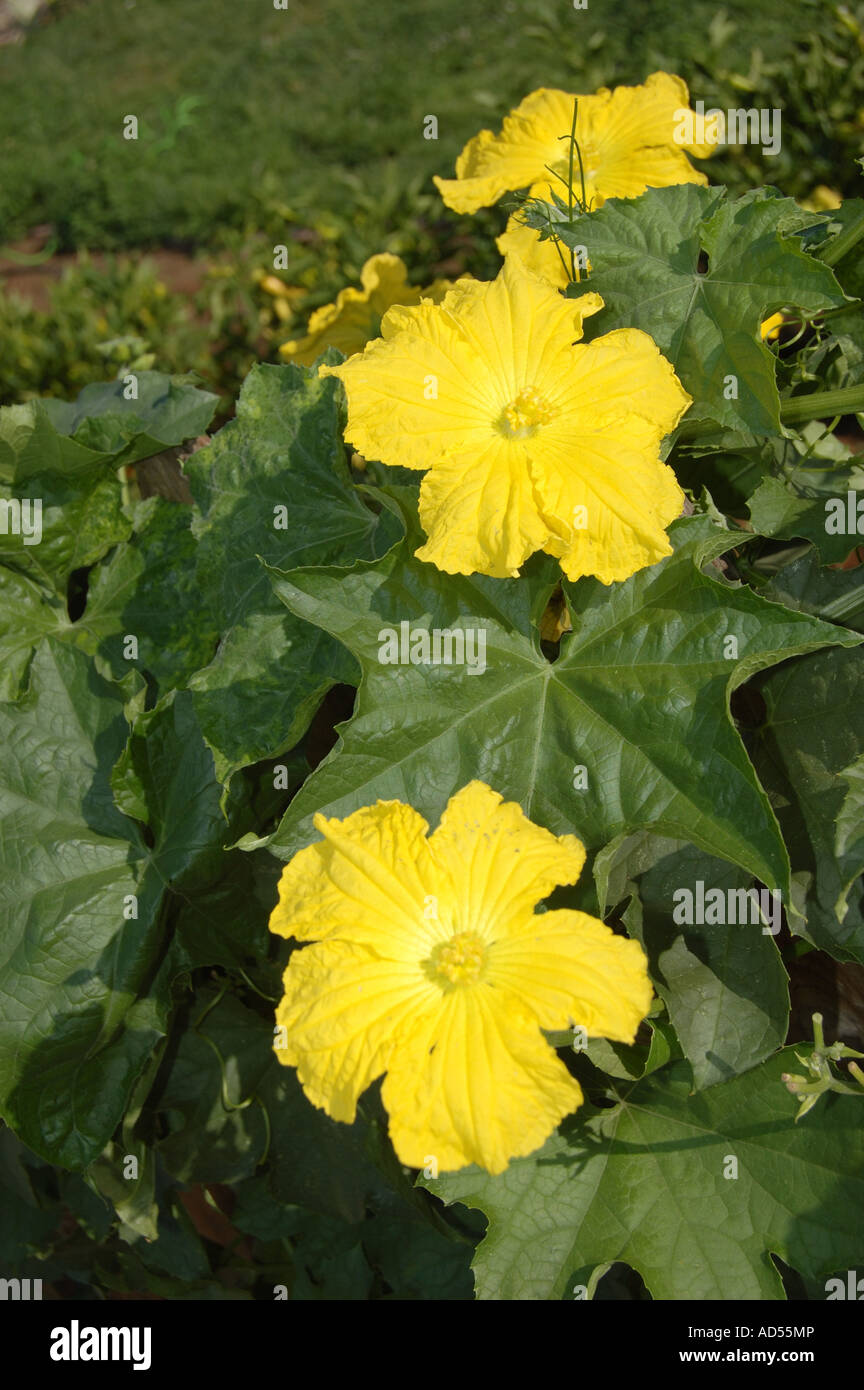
x=842, y=244
x=847, y=400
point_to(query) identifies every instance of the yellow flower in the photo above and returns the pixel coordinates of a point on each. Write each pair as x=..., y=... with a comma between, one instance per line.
x=822, y=199
x=543, y=258
x=430, y=965
x=547, y=257
x=627, y=138
x=356, y=316
x=531, y=442
x=769, y=329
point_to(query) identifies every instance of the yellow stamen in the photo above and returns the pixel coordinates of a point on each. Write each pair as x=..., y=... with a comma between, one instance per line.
x=458, y=961
x=519, y=419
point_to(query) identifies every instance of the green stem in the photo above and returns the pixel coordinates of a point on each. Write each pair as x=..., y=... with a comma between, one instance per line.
x=570, y=186
x=844, y=609
x=842, y=244
x=568, y=270
x=848, y=400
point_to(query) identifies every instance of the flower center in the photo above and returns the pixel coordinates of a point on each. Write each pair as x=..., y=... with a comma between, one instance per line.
x=519, y=419
x=458, y=961
x=561, y=166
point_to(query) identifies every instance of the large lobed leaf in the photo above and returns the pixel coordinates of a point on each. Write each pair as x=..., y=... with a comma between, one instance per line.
x=638, y=698
x=646, y=1183
x=647, y=258
x=66, y=455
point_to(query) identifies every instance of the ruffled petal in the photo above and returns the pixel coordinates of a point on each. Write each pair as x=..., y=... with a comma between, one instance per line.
x=480, y=513
x=628, y=500
x=542, y=258
x=355, y=317
x=521, y=326
x=635, y=118
x=368, y=880
x=495, y=863
x=419, y=391
x=630, y=172
x=475, y=1082
x=630, y=139
x=491, y=165
x=343, y=1013
x=570, y=968
x=602, y=488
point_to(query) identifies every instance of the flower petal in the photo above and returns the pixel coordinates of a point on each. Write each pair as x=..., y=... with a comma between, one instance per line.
x=571, y=968
x=491, y=165
x=602, y=455
x=367, y=880
x=520, y=324
x=417, y=392
x=496, y=863
x=474, y=1083
x=629, y=139
x=635, y=118
x=480, y=512
x=542, y=258
x=343, y=1012
x=355, y=317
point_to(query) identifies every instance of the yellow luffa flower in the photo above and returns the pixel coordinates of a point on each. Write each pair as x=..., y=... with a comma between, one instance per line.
x=770, y=328
x=822, y=199
x=627, y=138
x=542, y=257
x=355, y=318
x=430, y=965
x=531, y=442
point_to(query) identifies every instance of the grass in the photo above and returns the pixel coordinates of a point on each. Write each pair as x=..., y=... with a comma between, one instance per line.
x=251, y=116
x=304, y=126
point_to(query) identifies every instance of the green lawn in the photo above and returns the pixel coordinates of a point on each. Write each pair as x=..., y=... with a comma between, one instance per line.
x=320, y=107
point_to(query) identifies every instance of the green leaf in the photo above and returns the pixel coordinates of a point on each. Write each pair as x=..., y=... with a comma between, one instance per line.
x=814, y=728
x=86, y=902
x=72, y=439
x=214, y=1136
x=191, y=586
x=645, y=1183
x=850, y=817
x=66, y=456
x=149, y=590
x=777, y=512
x=25, y=1226
x=164, y=778
x=80, y=522
x=72, y=965
x=835, y=595
x=645, y=263
x=724, y=984
x=638, y=697
x=28, y=612
x=416, y=1260
x=316, y=1162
